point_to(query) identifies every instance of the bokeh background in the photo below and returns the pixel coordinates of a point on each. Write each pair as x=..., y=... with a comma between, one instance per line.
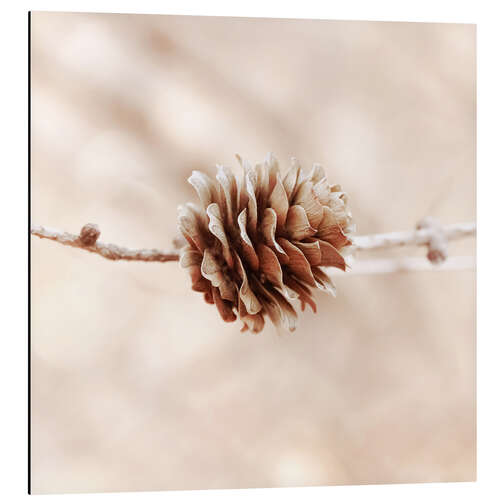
x=136, y=383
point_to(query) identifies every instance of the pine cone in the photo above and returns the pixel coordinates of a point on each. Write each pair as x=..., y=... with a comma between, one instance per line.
x=258, y=243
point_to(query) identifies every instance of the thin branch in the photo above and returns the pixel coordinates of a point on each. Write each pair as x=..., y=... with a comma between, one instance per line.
x=405, y=264
x=106, y=250
x=87, y=240
x=417, y=237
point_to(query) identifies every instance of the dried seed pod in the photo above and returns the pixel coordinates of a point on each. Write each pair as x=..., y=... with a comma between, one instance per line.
x=257, y=243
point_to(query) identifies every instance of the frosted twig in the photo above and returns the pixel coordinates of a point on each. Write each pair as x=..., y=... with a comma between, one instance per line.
x=405, y=264
x=416, y=237
x=87, y=240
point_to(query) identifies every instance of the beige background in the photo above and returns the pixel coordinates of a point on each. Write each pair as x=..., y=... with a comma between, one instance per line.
x=136, y=383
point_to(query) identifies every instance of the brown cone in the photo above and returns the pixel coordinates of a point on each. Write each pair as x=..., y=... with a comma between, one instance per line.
x=256, y=244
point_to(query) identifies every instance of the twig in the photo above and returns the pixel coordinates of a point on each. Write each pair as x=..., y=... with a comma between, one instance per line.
x=87, y=240
x=417, y=237
x=405, y=264
x=106, y=250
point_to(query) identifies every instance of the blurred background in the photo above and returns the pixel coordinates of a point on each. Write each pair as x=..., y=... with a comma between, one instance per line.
x=136, y=383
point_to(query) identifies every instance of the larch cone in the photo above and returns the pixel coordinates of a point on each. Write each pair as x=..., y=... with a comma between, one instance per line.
x=258, y=243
